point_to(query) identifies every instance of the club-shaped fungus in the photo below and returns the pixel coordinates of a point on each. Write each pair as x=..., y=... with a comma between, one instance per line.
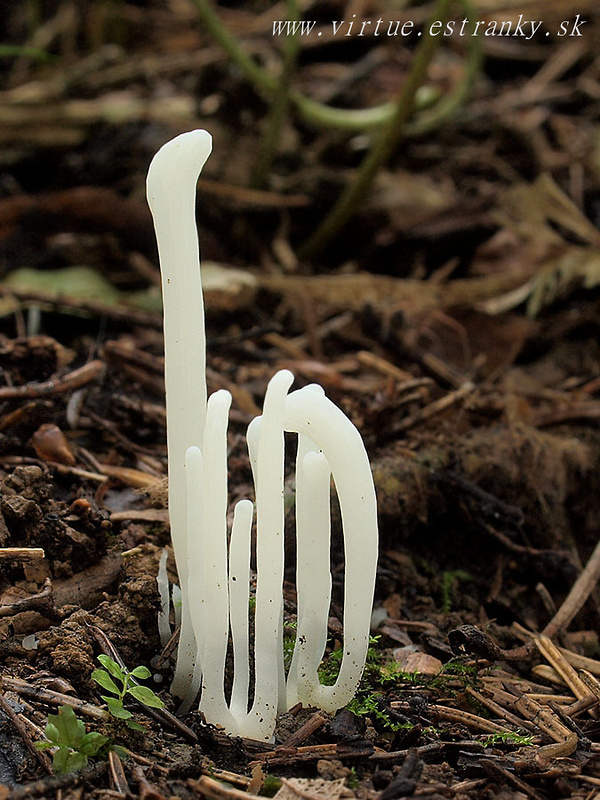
x=214, y=573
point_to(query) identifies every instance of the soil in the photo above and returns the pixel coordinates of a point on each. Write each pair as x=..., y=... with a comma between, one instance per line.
x=454, y=318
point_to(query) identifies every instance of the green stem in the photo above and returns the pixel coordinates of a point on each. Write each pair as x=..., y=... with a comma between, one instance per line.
x=383, y=146
x=280, y=102
x=311, y=110
x=428, y=121
x=17, y=51
x=351, y=119
x=261, y=79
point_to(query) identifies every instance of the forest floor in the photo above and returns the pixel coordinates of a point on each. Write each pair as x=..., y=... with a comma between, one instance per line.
x=454, y=318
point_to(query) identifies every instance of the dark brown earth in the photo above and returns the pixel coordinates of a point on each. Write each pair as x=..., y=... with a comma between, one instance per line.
x=454, y=317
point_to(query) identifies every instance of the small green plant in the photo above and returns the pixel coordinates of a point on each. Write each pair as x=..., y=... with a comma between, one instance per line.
x=377, y=672
x=352, y=781
x=271, y=785
x=370, y=706
x=459, y=670
x=289, y=642
x=506, y=737
x=450, y=578
x=128, y=685
x=74, y=746
x=377, y=675
x=330, y=667
x=380, y=675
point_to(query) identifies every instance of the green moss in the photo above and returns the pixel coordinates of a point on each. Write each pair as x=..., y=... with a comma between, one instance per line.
x=450, y=580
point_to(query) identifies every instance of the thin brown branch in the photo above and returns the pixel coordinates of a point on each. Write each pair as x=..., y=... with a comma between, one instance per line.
x=73, y=380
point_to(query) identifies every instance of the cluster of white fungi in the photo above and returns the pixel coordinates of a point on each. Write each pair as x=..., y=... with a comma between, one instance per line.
x=214, y=567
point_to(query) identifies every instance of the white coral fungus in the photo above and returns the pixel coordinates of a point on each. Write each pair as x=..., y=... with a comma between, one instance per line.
x=214, y=576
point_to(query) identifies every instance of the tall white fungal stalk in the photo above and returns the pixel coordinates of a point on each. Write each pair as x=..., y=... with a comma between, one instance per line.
x=214, y=577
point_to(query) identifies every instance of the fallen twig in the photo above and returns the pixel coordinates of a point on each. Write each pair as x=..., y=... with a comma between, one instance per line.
x=316, y=721
x=43, y=695
x=21, y=553
x=431, y=410
x=216, y=791
x=42, y=602
x=73, y=380
x=581, y=590
x=51, y=786
x=117, y=774
x=507, y=778
x=557, y=660
x=20, y=728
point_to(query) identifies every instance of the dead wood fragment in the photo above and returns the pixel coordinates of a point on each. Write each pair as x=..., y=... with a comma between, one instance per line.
x=431, y=410
x=61, y=122
x=133, y=316
x=52, y=785
x=86, y=589
x=227, y=776
x=42, y=758
x=243, y=196
x=593, y=782
x=433, y=747
x=63, y=469
x=559, y=663
x=43, y=603
x=567, y=717
x=484, y=504
x=463, y=787
x=497, y=709
x=405, y=782
x=316, y=721
x=573, y=603
x=151, y=411
x=353, y=292
x=124, y=350
x=87, y=208
x=582, y=410
x=114, y=429
x=143, y=515
x=406, y=380
x=23, y=554
x=313, y=789
x=543, y=717
x=49, y=696
x=73, y=380
x=129, y=476
x=121, y=69
x=467, y=719
x=591, y=682
x=547, y=673
x=117, y=774
x=147, y=791
x=287, y=755
x=507, y=778
x=214, y=790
